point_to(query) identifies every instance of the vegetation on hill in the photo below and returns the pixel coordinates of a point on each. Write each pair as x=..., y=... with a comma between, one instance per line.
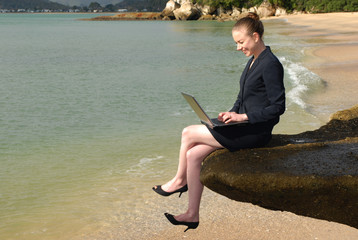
x=314, y=6
x=149, y=5
x=30, y=4
x=130, y=5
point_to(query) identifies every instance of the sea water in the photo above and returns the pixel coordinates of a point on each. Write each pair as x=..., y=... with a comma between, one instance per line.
x=91, y=114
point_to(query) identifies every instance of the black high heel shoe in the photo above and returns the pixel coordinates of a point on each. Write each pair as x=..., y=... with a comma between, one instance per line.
x=190, y=225
x=158, y=189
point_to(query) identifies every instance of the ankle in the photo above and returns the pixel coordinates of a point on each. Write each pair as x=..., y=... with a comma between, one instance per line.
x=193, y=216
x=180, y=181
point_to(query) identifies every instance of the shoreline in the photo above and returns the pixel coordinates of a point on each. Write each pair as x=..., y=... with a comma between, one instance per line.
x=334, y=42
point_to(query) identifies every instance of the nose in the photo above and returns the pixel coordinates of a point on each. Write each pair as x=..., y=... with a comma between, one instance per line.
x=238, y=47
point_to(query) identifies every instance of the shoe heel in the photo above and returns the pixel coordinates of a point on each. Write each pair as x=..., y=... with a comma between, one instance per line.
x=158, y=189
x=172, y=220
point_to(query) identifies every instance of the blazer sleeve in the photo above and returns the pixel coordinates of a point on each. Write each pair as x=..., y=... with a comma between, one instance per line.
x=236, y=106
x=275, y=94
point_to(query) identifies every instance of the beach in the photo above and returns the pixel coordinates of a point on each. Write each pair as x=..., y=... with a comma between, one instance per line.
x=334, y=58
x=222, y=218
x=92, y=119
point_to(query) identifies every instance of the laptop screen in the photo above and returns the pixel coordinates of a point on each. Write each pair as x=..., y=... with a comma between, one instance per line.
x=197, y=108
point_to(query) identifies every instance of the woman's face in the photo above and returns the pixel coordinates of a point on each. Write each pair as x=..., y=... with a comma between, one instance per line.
x=245, y=42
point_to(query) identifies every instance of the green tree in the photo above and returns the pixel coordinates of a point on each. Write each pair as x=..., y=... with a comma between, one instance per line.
x=351, y=6
x=110, y=8
x=335, y=6
x=94, y=6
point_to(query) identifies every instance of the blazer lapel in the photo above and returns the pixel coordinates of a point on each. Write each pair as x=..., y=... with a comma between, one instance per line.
x=244, y=77
x=253, y=66
x=245, y=73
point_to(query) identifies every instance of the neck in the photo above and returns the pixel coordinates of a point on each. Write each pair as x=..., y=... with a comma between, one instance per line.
x=260, y=48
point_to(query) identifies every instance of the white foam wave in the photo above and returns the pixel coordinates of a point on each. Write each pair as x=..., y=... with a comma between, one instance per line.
x=301, y=80
x=143, y=163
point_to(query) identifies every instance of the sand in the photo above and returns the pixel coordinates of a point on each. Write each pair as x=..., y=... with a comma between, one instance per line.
x=222, y=218
x=335, y=59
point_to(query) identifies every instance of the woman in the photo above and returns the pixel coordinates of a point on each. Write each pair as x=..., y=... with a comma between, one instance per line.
x=261, y=101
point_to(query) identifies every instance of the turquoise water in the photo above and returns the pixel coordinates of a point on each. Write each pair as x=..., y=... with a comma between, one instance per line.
x=91, y=113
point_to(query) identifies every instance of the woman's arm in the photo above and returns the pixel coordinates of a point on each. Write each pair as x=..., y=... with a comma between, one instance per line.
x=275, y=91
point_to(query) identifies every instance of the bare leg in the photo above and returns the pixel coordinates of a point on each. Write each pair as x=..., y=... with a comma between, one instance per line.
x=195, y=157
x=191, y=136
x=197, y=143
x=179, y=179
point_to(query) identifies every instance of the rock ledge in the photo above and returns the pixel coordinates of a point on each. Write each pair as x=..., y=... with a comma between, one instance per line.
x=313, y=174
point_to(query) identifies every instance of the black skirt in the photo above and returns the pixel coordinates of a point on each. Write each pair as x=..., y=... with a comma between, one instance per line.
x=238, y=137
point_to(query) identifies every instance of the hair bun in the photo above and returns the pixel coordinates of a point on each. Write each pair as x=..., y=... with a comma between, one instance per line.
x=253, y=16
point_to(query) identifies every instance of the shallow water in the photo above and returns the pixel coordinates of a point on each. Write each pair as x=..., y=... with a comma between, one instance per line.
x=92, y=113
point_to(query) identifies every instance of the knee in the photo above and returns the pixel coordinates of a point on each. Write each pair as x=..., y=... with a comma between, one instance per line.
x=193, y=158
x=190, y=156
x=186, y=134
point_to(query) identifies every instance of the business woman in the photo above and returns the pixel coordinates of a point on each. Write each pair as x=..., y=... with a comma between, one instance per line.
x=261, y=101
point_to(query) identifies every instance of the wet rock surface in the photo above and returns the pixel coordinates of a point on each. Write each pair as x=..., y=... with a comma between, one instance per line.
x=313, y=174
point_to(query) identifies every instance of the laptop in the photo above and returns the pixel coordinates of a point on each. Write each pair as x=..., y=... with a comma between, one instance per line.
x=204, y=118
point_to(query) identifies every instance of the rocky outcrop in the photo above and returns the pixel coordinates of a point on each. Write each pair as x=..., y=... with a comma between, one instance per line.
x=313, y=174
x=207, y=17
x=236, y=13
x=280, y=12
x=168, y=11
x=187, y=11
x=266, y=9
x=128, y=16
x=206, y=9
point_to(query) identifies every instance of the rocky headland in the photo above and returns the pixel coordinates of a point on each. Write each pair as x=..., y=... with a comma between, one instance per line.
x=130, y=16
x=187, y=10
x=312, y=174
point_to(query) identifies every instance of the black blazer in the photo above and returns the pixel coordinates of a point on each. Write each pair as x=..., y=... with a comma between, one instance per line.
x=262, y=92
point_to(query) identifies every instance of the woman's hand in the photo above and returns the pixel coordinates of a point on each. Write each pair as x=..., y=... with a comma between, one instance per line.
x=228, y=117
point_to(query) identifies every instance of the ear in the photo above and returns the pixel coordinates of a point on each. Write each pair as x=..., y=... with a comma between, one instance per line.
x=256, y=36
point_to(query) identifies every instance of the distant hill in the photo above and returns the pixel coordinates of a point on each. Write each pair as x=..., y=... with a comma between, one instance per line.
x=87, y=2
x=131, y=5
x=149, y=5
x=30, y=4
